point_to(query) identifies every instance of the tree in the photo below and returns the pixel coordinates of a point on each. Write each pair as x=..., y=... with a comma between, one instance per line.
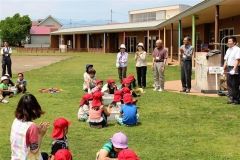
x=15, y=29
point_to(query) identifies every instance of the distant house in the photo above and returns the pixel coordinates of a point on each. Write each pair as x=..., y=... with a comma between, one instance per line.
x=40, y=32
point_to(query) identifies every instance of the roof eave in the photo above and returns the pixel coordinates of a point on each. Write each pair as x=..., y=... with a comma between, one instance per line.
x=190, y=11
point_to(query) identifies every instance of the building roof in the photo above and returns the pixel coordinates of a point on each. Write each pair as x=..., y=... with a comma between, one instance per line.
x=38, y=29
x=42, y=30
x=51, y=18
x=138, y=26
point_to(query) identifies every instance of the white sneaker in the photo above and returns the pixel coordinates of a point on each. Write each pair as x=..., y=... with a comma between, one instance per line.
x=155, y=89
x=4, y=101
x=160, y=90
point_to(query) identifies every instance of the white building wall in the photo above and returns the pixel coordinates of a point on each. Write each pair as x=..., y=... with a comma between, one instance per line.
x=40, y=39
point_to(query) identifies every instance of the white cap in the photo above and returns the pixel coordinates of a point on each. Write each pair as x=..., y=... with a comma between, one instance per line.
x=4, y=78
x=122, y=46
x=141, y=44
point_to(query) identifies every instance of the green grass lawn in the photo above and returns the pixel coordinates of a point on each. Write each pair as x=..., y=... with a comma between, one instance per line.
x=173, y=126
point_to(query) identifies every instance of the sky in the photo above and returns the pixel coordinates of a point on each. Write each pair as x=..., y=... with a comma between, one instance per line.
x=86, y=11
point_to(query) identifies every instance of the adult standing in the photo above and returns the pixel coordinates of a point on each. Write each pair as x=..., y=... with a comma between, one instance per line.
x=231, y=66
x=121, y=62
x=141, y=65
x=6, y=52
x=186, y=52
x=160, y=55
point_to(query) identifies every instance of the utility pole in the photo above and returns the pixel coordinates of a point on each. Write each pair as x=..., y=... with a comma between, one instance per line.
x=111, y=16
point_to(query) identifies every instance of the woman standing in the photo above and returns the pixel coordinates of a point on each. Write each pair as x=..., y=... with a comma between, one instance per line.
x=141, y=65
x=26, y=136
x=121, y=62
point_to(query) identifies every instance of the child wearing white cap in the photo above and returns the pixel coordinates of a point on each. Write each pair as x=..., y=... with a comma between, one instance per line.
x=4, y=91
x=121, y=62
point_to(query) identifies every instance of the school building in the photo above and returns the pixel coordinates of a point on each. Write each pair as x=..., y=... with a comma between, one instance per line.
x=207, y=23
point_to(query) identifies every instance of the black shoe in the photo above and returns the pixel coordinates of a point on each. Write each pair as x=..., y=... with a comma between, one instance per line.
x=183, y=90
x=230, y=102
x=188, y=91
x=235, y=102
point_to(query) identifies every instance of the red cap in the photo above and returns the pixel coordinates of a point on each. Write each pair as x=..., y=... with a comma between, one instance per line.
x=58, y=128
x=97, y=99
x=126, y=81
x=126, y=90
x=85, y=97
x=117, y=96
x=131, y=78
x=109, y=81
x=127, y=154
x=127, y=98
x=63, y=154
x=99, y=81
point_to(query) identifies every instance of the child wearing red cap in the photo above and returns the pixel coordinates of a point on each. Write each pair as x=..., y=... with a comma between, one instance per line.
x=59, y=135
x=63, y=154
x=126, y=83
x=128, y=112
x=97, y=112
x=132, y=79
x=84, y=107
x=127, y=154
x=99, y=85
x=111, y=85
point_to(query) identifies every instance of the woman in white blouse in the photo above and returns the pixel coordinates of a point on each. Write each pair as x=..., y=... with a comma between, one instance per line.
x=141, y=65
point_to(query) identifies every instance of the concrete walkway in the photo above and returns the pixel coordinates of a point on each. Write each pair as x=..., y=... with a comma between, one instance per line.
x=176, y=86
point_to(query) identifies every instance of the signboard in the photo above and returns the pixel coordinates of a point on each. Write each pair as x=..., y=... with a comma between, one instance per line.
x=215, y=70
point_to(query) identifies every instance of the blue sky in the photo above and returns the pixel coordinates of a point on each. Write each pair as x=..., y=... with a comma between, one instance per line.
x=81, y=10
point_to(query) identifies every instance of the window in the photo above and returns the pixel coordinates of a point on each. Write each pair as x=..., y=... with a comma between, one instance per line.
x=143, y=17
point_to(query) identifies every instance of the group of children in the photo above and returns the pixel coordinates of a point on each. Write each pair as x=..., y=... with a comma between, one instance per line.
x=93, y=110
x=26, y=136
x=8, y=88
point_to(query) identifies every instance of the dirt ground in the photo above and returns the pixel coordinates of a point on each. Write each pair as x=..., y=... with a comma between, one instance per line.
x=27, y=63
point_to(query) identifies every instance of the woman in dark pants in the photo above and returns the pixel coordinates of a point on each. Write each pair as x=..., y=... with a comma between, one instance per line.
x=141, y=65
x=6, y=52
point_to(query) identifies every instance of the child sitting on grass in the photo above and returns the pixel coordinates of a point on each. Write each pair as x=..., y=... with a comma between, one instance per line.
x=21, y=84
x=128, y=112
x=110, y=150
x=10, y=82
x=84, y=107
x=98, y=88
x=111, y=85
x=127, y=154
x=4, y=91
x=89, y=78
x=98, y=113
x=117, y=98
x=127, y=83
x=59, y=135
x=132, y=81
x=63, y=154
